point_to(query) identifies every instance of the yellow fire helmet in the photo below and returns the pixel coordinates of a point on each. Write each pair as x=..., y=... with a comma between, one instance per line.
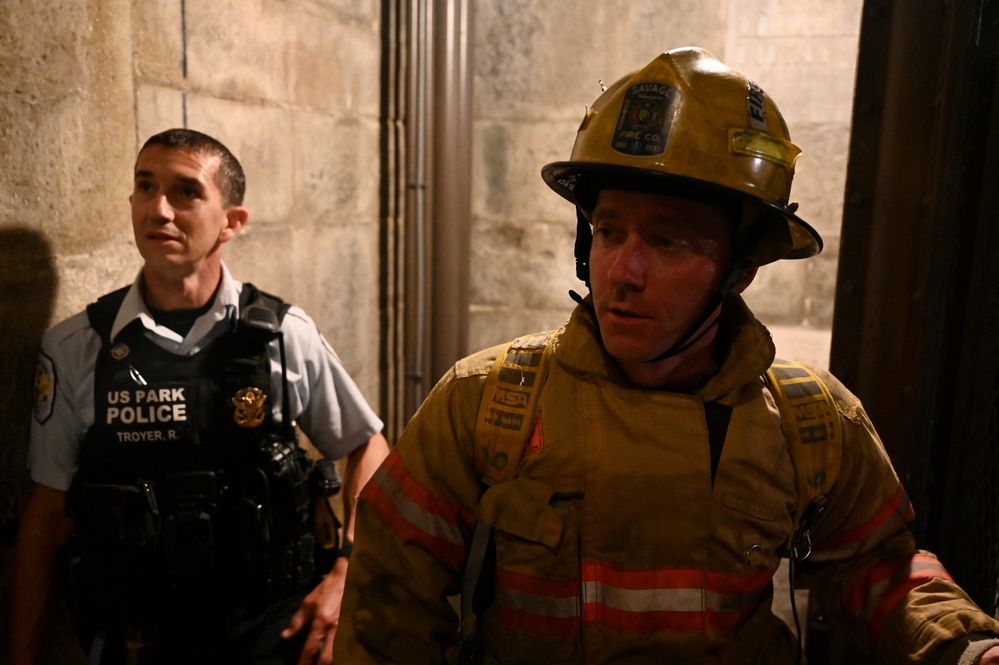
x=688, y=125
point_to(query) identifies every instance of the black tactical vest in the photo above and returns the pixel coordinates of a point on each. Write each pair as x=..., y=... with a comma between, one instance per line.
x=187, y=488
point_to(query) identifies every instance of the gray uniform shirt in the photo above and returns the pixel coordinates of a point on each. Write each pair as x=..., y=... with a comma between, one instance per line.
x=323, y=399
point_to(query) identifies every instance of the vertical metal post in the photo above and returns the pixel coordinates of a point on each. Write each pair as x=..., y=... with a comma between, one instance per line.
x=393, y=205
x=451, y=185
x=433, y=89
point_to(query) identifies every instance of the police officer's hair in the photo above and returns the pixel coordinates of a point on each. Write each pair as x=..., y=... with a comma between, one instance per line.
x=229, y=176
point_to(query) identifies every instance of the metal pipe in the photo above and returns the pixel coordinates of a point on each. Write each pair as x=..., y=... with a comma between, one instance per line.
x=451, y=191
x=420, y=38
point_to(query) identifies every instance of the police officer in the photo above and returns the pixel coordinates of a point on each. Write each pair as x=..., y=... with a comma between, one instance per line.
x=654, y=491
x=164, y=451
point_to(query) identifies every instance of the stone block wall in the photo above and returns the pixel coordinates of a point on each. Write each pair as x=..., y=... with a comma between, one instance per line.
x=291, y=87
x=537, y=65
x=66, y=127
x=804, y=54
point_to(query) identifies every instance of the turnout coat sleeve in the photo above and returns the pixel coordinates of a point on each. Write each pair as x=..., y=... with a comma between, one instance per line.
x=898, y=601
x=413, y=522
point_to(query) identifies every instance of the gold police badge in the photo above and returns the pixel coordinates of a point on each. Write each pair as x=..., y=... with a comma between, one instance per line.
x=249, y=404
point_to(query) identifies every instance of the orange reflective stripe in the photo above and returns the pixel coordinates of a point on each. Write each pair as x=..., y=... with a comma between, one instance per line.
x=417, y=515
x=636, y=601
x=536, y=605
x=889, y=520
x=873, y=596
x=519, y=581
x=530, y=622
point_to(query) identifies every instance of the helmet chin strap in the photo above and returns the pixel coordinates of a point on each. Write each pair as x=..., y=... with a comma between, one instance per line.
x=687, y=340
x=698, y=330
x=581, y=250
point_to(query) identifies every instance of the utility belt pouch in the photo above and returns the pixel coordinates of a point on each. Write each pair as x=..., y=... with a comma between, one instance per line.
x=292, y=568
x=326, y=483
x=188, y=543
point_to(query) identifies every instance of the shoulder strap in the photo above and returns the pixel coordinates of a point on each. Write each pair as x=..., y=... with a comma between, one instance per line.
x=252, y=299
x=502, y=432
x=509, y=402
x=260, y=317
x=102, y=313
x=812, y=427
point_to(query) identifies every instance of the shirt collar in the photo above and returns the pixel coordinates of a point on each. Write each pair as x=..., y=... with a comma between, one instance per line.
x=134, y=307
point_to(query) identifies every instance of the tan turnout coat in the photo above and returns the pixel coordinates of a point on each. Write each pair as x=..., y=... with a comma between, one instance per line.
x=614, y=543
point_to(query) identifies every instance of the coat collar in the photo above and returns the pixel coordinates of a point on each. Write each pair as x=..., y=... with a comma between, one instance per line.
x=747, y=347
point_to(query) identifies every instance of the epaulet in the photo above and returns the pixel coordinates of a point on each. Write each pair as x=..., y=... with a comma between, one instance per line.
x=102, y=313
x=509, y=402
x=812, y=426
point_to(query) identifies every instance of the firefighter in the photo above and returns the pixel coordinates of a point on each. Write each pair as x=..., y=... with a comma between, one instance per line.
x=642, y=516
x=164, y=452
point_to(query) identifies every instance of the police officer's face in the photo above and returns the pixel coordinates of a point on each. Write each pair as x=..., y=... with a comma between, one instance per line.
x=178, y=215
x=655, y=263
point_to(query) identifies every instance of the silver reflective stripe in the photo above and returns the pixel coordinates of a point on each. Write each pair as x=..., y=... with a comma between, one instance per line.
x=644, y=600
x=414, y=513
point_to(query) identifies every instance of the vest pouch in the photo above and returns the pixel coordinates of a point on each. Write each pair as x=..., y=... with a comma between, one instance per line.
x=288, y=471
x=114, y=552
x=190, y=500
x=288, y=474
x=251, y=520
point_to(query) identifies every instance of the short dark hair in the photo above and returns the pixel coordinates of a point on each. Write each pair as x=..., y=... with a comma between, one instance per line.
x=229, y=176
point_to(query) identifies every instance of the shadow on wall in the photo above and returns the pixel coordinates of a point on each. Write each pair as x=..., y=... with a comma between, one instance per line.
x=27, y=294
x=28, y=284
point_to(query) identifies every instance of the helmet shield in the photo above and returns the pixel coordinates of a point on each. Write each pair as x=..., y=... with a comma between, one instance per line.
x=687, y=125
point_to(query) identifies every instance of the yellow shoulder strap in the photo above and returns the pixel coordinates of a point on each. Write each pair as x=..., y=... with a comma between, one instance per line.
x=812, y=427
x=509, y=401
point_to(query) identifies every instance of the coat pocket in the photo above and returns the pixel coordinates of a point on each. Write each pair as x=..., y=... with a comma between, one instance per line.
x=752, y=529
x=535, y=616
